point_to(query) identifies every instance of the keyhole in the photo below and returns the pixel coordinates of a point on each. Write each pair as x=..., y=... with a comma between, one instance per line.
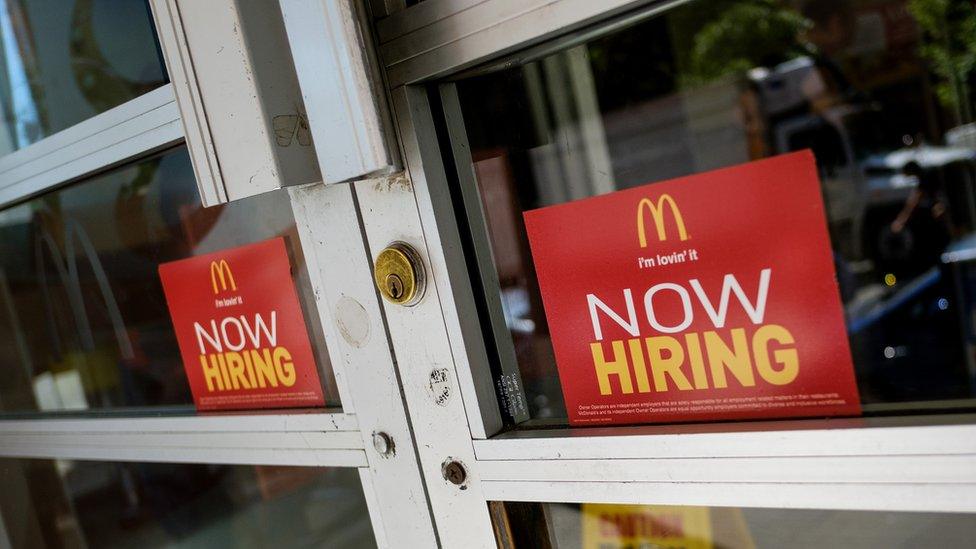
x=395, y=286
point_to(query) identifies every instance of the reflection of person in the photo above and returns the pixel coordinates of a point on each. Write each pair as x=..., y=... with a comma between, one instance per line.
x=922, y=229
x=928, y=192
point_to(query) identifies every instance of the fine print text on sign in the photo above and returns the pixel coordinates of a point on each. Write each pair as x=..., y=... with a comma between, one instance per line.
x=240, y=329
x=711, y=296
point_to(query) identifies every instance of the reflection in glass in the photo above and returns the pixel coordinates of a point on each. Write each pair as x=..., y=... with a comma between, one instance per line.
x=83, y=317
x=604, y=526
x=52, y=504
x=63, y=62
x=881, y=91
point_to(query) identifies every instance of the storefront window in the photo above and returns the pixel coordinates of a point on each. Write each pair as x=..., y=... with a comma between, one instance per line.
x=50, y=504
x=604, y=526
x=881, y=91
x=64, y=62
x=84, y=322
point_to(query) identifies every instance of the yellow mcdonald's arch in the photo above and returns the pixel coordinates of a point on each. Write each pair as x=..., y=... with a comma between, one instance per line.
x=221, y=271
x=658, y=214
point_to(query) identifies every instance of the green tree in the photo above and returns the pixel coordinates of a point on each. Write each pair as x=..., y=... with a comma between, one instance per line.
x=949, y=45
x=742, y=35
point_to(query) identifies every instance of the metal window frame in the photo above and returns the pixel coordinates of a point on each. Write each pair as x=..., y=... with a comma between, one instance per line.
x=279, y=439
x=911, y=463
x=440, y=37
x=891, y=464
x=135, y=128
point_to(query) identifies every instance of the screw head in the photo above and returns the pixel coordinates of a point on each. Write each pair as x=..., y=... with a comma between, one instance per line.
x=383, y=443
x=454, y=472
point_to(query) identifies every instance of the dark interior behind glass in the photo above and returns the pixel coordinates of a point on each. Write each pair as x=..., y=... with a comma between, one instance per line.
x=59, y=503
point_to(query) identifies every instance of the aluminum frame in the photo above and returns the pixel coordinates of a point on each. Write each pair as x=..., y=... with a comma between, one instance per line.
x=439, y=37
x=121, y=134
x=347, y=109
x=485, y=270
x=894, y=464
x=279, y=439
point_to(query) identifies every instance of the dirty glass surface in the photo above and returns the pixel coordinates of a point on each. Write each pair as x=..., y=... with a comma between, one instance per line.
x=880, y=90
x=84, y=325
x=605, y=526
x=64, y=61
x=52, y=504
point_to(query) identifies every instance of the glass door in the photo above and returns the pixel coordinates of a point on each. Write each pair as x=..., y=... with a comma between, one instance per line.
x=177, y=375
x=555, y=110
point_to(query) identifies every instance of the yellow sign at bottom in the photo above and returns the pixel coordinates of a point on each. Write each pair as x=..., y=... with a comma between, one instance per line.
x=631, y=526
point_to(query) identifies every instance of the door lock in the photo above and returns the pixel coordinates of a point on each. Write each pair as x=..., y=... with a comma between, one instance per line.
x=399, y=274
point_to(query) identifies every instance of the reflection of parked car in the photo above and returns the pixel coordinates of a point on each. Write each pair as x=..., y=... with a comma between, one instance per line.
x=862, y=170
x=962, y=136
x=905, y=341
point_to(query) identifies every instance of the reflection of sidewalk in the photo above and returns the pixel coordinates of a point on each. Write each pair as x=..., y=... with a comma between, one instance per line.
x=872, y=302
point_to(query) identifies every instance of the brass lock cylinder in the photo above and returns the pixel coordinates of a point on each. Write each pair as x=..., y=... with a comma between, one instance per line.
x=399, y=274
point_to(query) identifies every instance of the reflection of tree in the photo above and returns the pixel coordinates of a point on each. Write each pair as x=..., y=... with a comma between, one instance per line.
x=738, y=36
x=949, y=44
x=102, y=85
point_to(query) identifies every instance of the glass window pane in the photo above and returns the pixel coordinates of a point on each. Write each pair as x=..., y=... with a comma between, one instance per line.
x=603, y=526
x=99, y=336
x=882, y=92
x=52, y=504
x=63, y=61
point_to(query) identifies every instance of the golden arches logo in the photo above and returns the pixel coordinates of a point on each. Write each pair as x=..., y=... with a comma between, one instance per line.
x=657, y=213
x=220, y=272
